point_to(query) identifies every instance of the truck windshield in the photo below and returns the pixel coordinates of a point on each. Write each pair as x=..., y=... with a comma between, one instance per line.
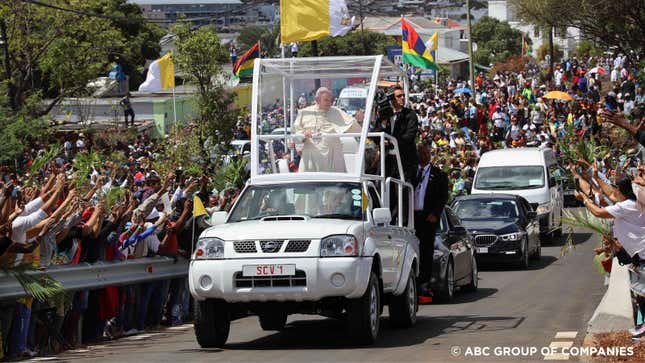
x=315, y=200
x=509, y=177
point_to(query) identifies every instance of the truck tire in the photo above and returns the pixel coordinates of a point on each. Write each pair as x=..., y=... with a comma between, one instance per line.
x=212, y=323
x=273, y=321
x=403, y=308
x=363, y=314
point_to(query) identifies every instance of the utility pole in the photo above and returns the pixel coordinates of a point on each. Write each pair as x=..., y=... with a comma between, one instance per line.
x=471, y=69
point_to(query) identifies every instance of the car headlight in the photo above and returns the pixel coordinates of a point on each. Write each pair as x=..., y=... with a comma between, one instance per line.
x=339, y=245
x=209, y=248
x=512, y=236
x=544, y=208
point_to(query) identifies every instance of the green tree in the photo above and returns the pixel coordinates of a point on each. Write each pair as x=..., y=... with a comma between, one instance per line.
x=619, y=23
x=586, y=49
x=496, y=40
x=268, y=37
x=199, y=57
x=53, y=53
x=350, y=44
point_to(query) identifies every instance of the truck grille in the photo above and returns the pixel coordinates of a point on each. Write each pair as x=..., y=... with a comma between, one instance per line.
x=298, y=280
x=485, y=240
x=297, y=246
x=244, y=247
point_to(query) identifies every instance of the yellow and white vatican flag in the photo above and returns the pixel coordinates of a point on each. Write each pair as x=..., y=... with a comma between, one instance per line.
x=306, y=20
x=161, y=75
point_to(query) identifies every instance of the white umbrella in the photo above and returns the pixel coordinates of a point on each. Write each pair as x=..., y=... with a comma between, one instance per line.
x=598, y=70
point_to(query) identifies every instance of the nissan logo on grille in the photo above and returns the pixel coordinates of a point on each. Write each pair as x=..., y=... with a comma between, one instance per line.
x=271, y=246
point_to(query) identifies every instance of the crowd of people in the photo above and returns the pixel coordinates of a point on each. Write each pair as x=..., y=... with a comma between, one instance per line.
x=120, y=210
x=115, y=211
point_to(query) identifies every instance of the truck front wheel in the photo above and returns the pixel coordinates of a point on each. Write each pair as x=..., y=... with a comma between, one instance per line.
x=364, y=313
x=212, y=323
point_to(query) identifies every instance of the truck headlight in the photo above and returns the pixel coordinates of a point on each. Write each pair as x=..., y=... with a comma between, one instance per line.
x=544, y=208
x=209, y=248
x=339, y=245
x=512, y=236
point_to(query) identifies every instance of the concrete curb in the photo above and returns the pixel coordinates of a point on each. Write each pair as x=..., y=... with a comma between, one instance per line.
x=615, y=312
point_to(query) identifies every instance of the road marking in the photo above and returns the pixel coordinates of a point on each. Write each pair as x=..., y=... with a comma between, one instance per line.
x=566, y=335
x=561, y=344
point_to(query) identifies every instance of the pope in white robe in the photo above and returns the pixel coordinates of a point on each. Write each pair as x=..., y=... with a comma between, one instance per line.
x=324, y=154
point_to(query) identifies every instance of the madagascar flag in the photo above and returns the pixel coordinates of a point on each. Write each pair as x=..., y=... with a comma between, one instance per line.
x=415, y=51
x=244, y=65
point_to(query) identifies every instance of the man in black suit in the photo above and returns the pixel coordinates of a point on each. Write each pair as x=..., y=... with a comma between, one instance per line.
x=403, y=125
x=430, y=197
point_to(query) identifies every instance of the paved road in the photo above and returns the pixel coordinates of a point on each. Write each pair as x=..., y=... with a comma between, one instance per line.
x=512, y=308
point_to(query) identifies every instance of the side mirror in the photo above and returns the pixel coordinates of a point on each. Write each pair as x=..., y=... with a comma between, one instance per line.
x=531, y=214
x=382, y=216
x=218, y=218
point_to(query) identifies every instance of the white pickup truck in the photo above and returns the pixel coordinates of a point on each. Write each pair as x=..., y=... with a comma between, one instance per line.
x=311, y=242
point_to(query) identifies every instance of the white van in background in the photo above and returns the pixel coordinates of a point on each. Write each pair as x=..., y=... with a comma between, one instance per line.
x=352, y=99
x=529, y=172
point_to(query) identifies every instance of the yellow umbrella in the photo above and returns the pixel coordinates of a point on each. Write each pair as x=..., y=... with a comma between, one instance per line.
x=558, y=95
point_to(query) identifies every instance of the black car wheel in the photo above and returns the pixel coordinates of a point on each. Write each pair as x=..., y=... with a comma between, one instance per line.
x=447, y=292
x=538, y=250
x=524, y=262
x=474, y=277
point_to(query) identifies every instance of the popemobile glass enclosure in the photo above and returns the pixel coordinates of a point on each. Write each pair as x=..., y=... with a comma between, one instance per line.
x=291, y=128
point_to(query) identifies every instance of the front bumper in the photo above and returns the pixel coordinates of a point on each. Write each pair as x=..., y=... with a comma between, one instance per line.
x=321, y=279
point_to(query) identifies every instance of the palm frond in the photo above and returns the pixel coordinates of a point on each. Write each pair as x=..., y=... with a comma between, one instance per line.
x=112, y=196
x=582, y=219
x=83, y=164
x=587, y=220
x=42, y=288
x=42, y=160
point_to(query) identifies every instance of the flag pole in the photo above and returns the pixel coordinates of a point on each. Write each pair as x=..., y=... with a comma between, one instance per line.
x=174, y=105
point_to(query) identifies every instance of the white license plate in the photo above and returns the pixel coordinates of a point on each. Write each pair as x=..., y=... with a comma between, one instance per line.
x=269, y=270
x=482, y=249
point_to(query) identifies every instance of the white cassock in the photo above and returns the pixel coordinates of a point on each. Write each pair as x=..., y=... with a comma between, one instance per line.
x=323, y=154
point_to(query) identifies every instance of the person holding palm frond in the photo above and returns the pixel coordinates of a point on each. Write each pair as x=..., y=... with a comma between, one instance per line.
x=629, y=232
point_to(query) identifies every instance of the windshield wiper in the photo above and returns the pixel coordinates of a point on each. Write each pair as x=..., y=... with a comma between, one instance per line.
x=335, y=215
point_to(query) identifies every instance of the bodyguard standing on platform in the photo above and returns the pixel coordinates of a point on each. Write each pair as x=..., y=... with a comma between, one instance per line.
x=430, y=197
x=404, y=125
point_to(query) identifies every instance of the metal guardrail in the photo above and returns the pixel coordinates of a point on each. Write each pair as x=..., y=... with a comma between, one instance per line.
x=101, y=274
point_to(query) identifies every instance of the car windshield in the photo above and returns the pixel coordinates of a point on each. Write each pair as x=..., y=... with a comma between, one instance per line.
x=315, y=200
x=473, y=209
x=351, y=104
x=510, y=177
